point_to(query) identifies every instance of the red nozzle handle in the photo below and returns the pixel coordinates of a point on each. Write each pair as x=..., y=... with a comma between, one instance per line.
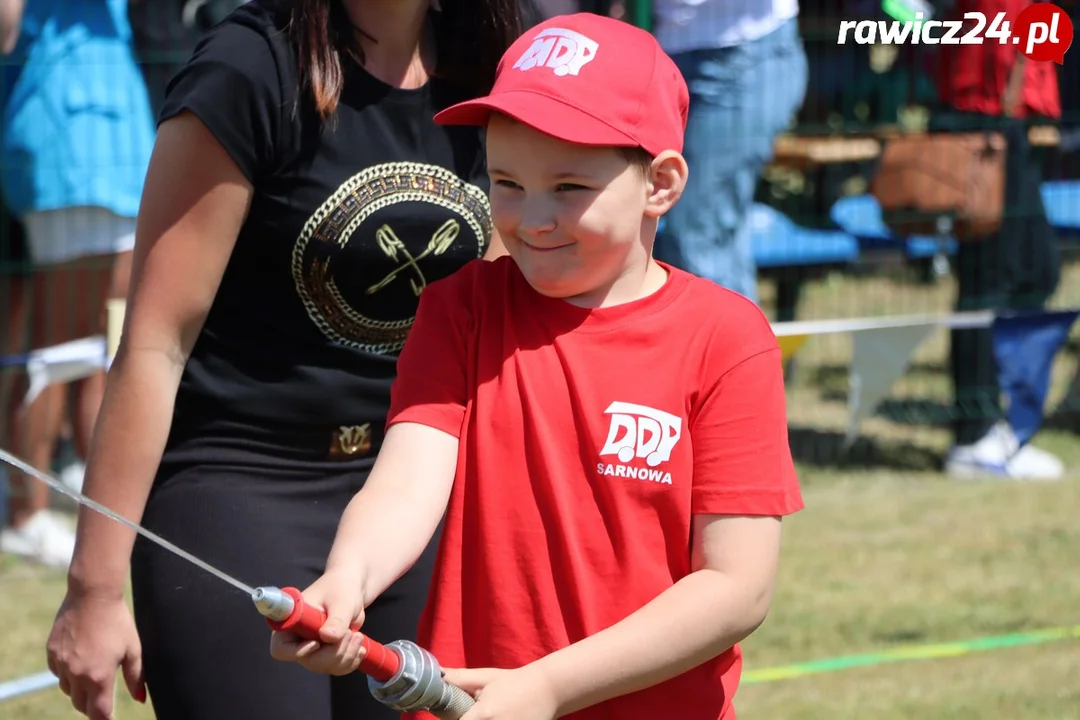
x=380, y=662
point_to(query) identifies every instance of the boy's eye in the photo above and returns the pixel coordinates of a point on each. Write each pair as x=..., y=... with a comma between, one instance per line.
x=564, y=187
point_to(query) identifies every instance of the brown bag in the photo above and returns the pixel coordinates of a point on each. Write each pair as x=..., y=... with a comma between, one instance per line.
x=922, y=177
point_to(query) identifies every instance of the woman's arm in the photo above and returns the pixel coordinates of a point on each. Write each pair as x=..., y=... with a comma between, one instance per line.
x=717, y=605
x=194, y=201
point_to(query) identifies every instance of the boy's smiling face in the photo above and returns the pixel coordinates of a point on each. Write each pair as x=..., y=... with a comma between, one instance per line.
x=578, y=220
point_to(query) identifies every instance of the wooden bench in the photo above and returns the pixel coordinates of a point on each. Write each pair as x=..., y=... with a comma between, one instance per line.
x=802, y=152
x=808, y=153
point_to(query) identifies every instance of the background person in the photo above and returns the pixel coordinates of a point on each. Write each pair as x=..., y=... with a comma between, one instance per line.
x=77, y=140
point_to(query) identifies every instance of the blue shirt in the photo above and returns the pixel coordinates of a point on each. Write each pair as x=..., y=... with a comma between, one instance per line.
x=78, y=129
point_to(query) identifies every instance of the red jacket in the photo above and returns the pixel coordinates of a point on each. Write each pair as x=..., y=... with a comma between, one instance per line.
x=972, y=77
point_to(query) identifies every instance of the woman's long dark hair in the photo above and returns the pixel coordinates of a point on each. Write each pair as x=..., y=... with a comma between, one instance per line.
x=472, y=36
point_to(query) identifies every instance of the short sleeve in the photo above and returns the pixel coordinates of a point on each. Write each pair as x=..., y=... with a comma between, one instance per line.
x=742, y=459
x=431, y=387
x=232, y=84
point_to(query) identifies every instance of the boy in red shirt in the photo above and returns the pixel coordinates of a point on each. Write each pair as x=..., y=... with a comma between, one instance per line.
x=606, y=434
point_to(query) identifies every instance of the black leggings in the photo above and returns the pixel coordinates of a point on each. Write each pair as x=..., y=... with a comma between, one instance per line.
x=269, y=521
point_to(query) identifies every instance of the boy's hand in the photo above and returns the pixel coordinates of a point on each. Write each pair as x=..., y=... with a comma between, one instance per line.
x=338, y=651
x=522, y=694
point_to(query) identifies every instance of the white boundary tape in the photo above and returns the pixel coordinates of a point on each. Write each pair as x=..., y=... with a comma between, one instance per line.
x=978, y=319
x=26, y=685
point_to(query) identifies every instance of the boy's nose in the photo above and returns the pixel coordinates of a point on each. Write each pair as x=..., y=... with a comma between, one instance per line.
x=537, y=217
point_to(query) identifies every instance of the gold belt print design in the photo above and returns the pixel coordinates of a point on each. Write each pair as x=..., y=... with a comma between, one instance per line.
x=333, y=225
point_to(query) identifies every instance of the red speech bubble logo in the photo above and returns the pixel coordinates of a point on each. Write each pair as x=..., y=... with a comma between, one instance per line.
x=1043, y=31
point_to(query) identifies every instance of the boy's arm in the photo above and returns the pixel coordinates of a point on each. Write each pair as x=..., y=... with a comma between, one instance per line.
x=387, y=525
x=719, y=604
x=391, y=520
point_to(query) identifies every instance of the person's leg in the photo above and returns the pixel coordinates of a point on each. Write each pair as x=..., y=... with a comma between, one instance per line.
x=111, y=282
x=33, y=438
x=1034, y=260
x=1069, y=409
x=981, y=285
x=33, y=427
x=205, y=647
x=1015, y=268
x=1034, y=266
x=32, y=532
x=53, y=318
x=14, y=288
x=81, y=256
x=101, y=273
x=14, y=266
x=741, y=97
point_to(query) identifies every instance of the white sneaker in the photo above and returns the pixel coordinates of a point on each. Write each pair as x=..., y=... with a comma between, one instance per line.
x=998, y=454
x=71, y=475
x=44, y=539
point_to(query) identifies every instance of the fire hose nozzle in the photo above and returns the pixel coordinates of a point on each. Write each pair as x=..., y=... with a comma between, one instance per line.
x=273, y=603
x=418, y=685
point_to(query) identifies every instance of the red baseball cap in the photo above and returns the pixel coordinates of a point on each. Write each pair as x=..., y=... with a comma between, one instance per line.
x=590, y=80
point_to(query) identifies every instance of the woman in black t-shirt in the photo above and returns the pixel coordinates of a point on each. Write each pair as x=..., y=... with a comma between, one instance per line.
x=298, y=202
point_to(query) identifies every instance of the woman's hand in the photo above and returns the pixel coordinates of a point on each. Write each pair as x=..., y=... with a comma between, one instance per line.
x=91, y=638
x=338, y=650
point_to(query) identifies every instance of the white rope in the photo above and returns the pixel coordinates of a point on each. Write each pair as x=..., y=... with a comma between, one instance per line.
x=26, y=685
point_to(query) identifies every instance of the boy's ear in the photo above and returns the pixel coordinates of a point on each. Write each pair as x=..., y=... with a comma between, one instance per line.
x=667, y=178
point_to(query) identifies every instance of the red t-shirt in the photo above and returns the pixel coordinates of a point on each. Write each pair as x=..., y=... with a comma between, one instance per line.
x=972, y=77
x=588, y=440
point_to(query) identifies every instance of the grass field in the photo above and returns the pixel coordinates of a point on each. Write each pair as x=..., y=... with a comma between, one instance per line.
x=888, y=553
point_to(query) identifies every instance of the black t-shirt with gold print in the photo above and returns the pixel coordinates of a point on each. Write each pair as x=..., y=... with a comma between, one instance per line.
x=350, y=221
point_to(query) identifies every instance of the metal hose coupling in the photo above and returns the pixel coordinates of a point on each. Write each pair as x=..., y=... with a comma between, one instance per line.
x=418, y=685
